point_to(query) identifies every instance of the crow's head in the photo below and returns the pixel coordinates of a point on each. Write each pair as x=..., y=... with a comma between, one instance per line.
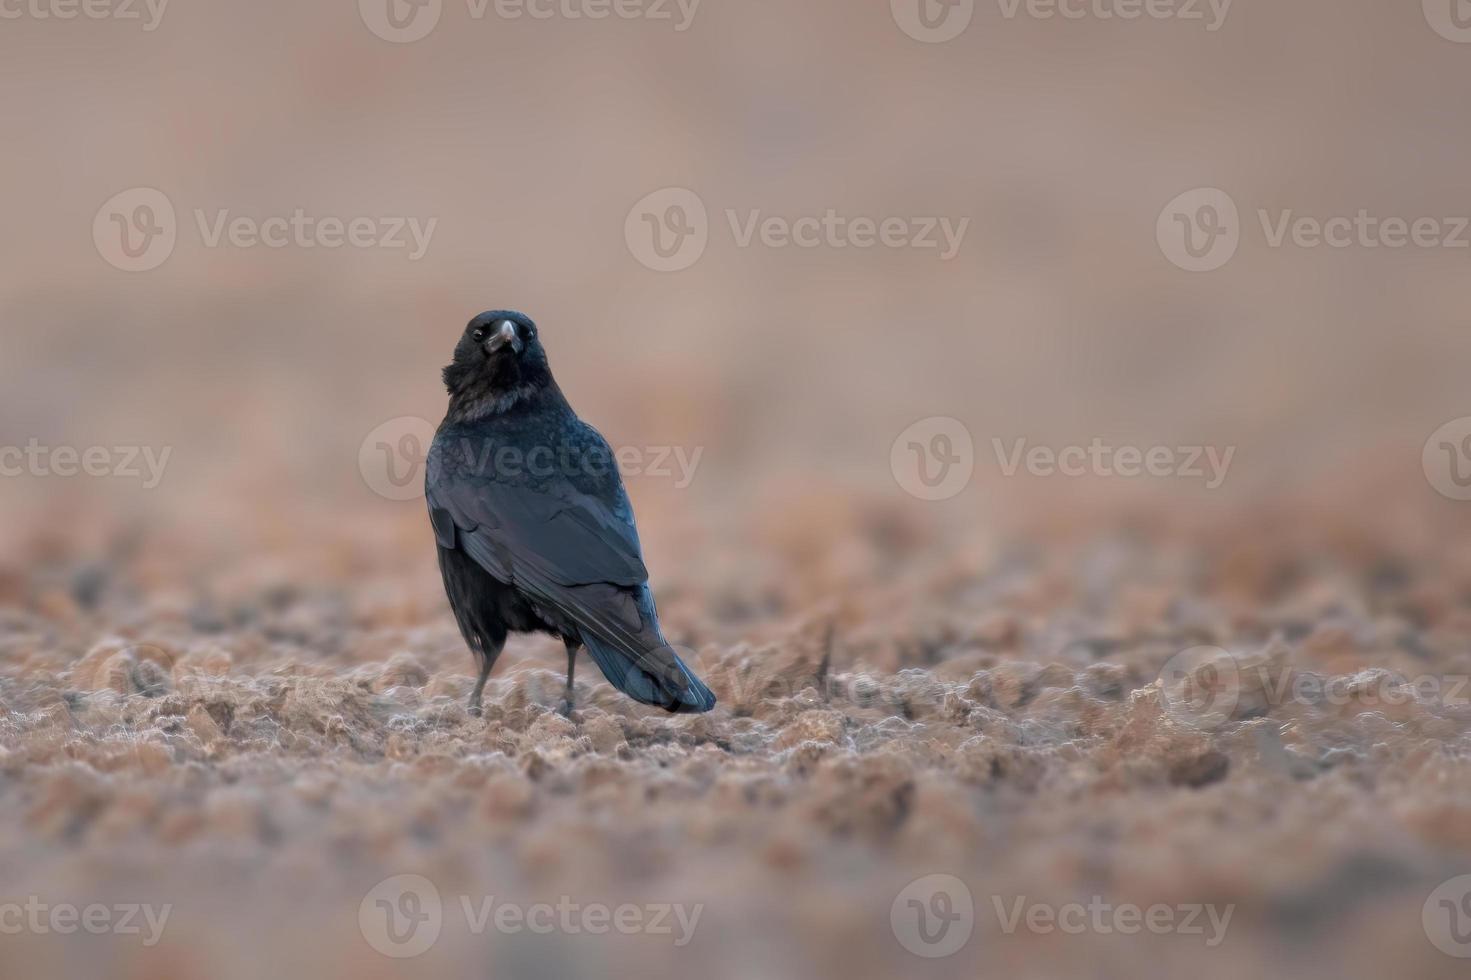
x=499, y=362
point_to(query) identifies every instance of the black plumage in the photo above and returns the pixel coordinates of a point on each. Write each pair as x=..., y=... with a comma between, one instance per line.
x=534, y=528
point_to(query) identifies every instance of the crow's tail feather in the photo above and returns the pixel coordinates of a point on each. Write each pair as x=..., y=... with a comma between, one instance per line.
x=636, y=660
x=657, y=677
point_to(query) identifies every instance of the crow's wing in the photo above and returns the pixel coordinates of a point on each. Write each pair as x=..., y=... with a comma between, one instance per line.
x=571, y=537
x=567, y=539
x=571, y=545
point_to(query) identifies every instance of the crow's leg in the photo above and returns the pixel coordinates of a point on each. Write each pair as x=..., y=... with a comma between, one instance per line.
x=486, y=656
x=567, y=705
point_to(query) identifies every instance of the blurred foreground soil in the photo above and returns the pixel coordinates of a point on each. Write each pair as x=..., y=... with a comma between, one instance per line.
x=259, y=744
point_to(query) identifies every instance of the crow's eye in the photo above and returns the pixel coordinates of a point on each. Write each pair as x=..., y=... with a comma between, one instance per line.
x=479, y=335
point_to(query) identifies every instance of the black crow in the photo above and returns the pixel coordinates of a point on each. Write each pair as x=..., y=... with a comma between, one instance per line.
x=534, y=528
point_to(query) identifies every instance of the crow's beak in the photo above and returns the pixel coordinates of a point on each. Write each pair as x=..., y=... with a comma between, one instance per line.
x=505, y=333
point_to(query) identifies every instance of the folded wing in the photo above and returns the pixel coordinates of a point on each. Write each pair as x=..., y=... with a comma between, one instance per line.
x=573, y=548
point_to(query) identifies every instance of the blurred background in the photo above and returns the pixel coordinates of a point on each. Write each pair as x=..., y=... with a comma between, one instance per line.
x=254, y=406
